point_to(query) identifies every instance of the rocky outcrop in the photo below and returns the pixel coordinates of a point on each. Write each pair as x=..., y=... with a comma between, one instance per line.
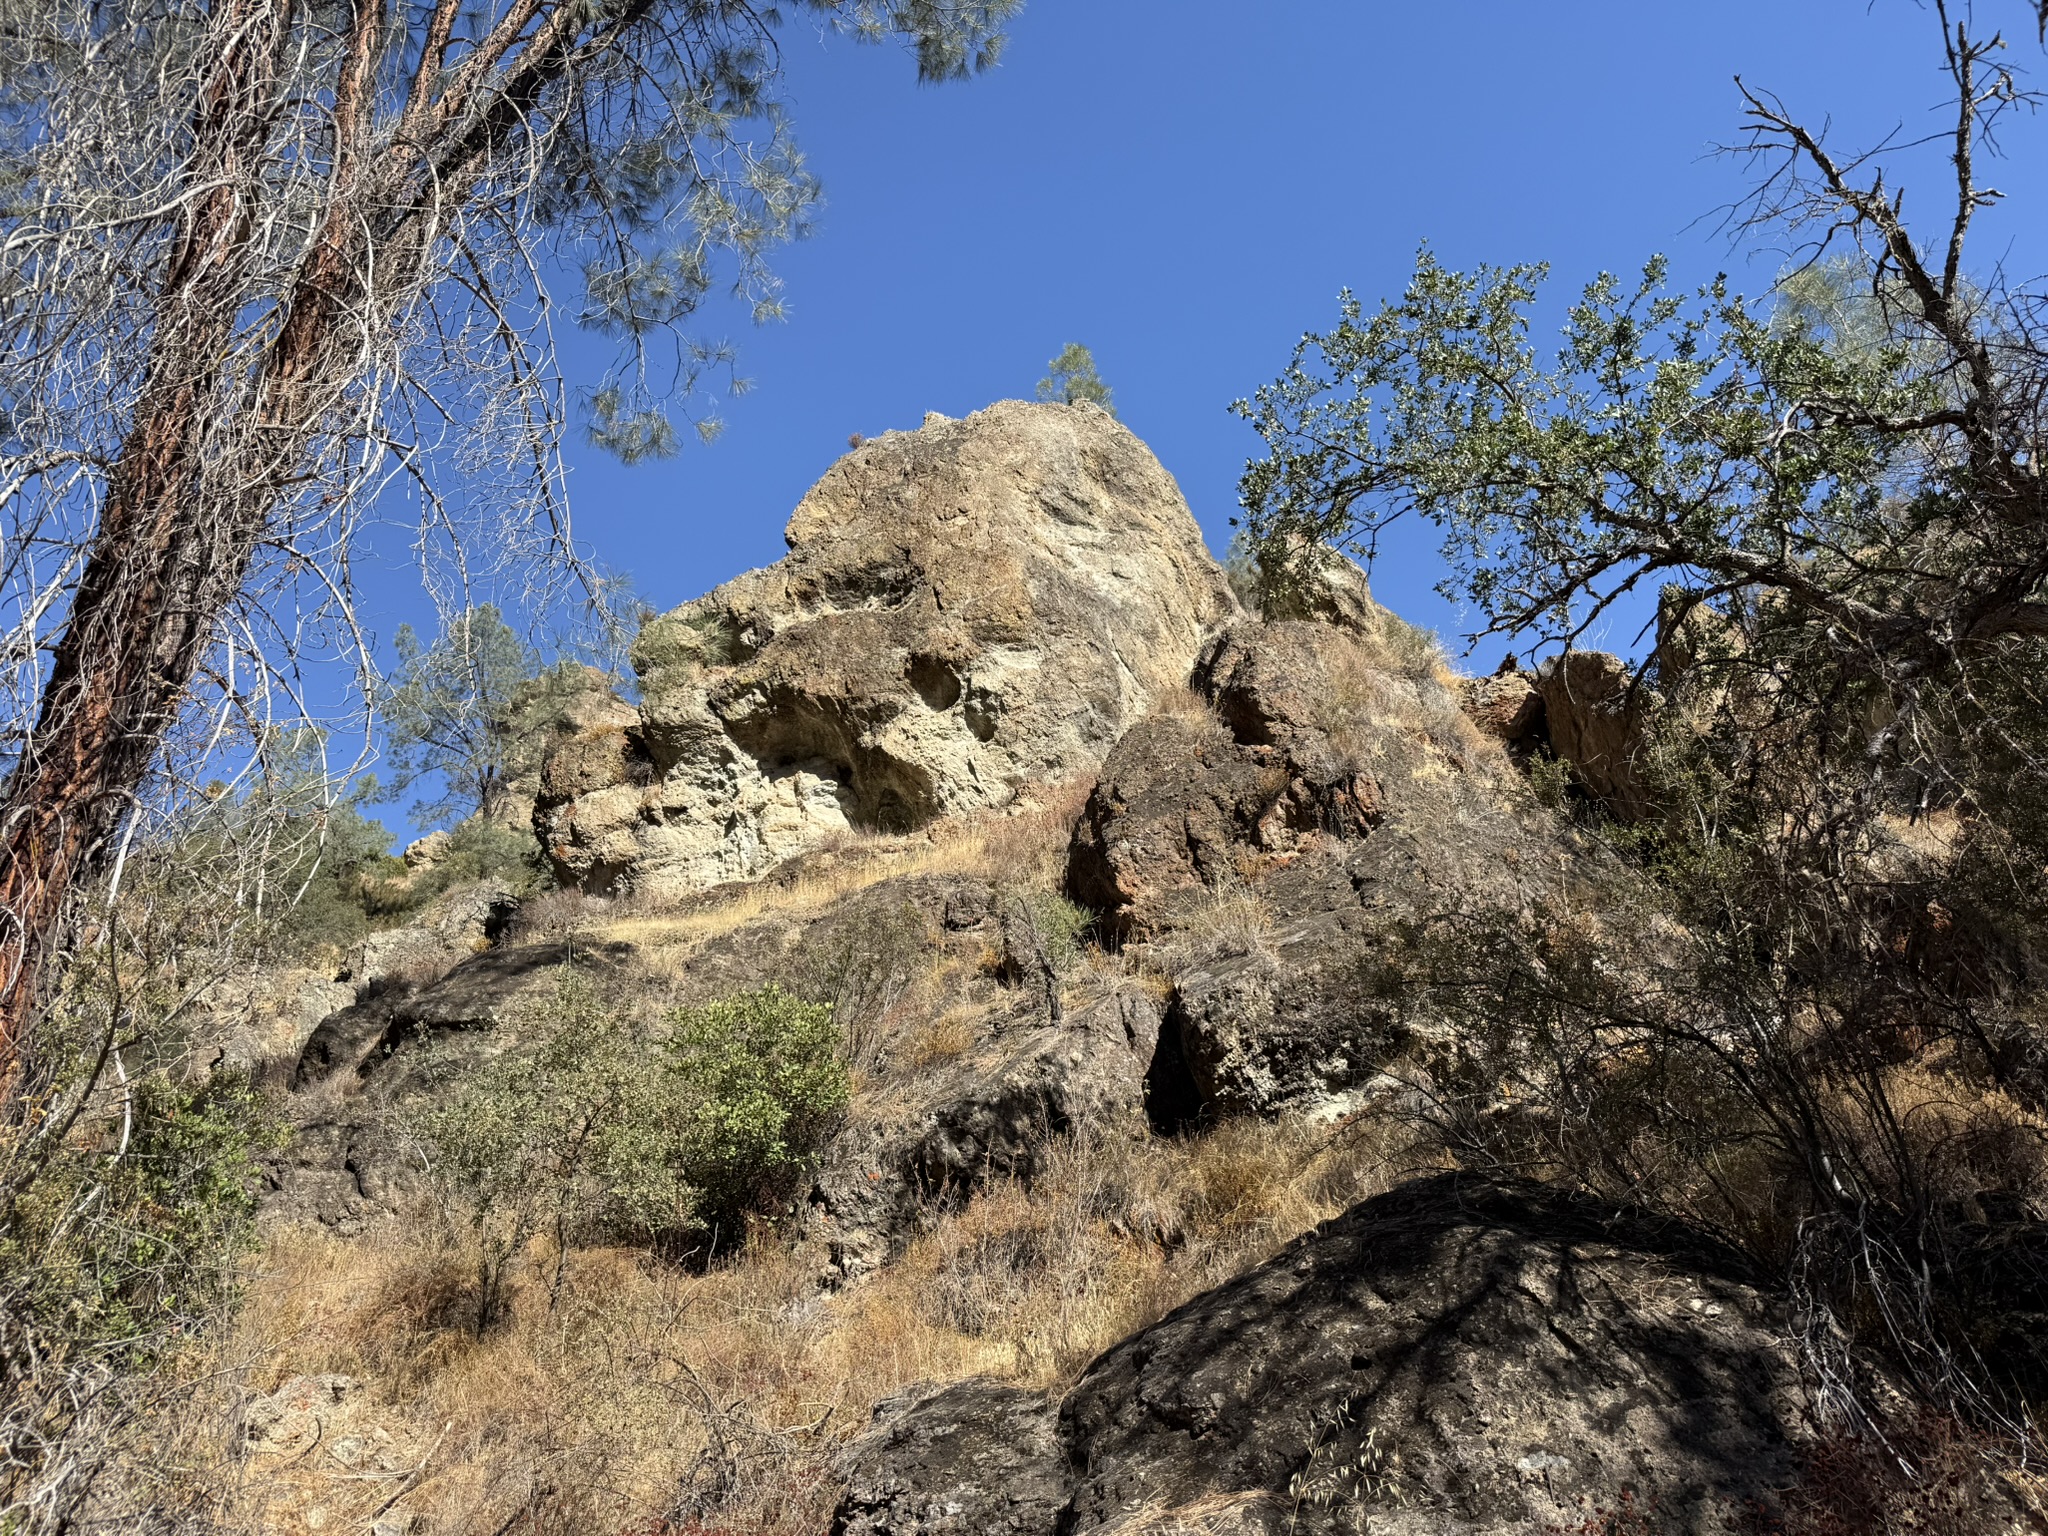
x=1270, y=847
x=933, y=1120
x=462, y=921
x=966, y=610
x=260, y=1021
x=1506, y=706
x=990, y=1113
x=1456, y=1358
x=366, y=1066
x=1596, y=713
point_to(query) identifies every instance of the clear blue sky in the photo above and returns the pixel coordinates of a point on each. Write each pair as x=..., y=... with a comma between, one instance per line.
x=1185, y=185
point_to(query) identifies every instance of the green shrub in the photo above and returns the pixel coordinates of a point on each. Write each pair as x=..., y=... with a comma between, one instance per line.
x=1053, y=929
x=762, y=1075
x=584, y=1136
x=477, y=850
x=598, y=1135
x=126, y=1214
x=138, y=1220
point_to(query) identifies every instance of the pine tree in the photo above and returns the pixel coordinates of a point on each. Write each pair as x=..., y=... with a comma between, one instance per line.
x=1071, y=377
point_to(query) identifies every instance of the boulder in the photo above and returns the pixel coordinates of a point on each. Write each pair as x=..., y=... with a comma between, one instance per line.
x=1507, y=706
x=1597, y=713
x=463, y=920
x=426, y=852
x=264, y=1018
x=1455, y=1358
x=989, y=1113
x=1271, y=850
x=972, y=1459
x=966, y=610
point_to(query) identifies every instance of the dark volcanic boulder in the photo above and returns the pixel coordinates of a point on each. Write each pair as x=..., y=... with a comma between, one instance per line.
x=972, y=1459
x=1272, y=847
x=1456, y=1358
x=991, y=1113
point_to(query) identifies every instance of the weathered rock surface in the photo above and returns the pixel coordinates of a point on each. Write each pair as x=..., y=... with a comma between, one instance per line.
x=929, y=1125
x=1271, y=848
x=1596, y=712
x=972, y=1459
x=462, y=921
x=965, y=610
x=263, y=1019
x=1507, y=706
x=989, y=1113
x=1452, y=1358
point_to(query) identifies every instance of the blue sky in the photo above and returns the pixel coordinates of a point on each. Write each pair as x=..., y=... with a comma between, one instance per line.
x=1185, y=185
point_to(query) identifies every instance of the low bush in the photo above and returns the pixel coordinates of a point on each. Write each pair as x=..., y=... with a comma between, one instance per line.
x=601, y=1135
x=764, y=1085
x=126, y=1212
x=583, y=1137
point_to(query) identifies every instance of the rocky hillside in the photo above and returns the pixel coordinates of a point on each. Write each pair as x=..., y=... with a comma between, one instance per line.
x=1104, y=879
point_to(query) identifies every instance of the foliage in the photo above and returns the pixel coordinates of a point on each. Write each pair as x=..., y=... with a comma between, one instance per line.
x=1054, y=928
x=126, y=1211
x=477, y=850
x=584, y=1136
x=1808, y=1016
x=598, y=1134
x=266, y=871
x=142, y=1216
x=1071, y=377
x=448, y=711
x=235, y=317
x=762, y=1074
x=1652, y=449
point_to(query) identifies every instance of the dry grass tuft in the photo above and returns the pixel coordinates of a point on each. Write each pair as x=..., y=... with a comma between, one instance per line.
x=1227, y=919
x=649, y=1394
x=1181, y=703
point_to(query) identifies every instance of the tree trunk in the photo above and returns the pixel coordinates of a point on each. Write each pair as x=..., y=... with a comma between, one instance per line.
x=165, y=561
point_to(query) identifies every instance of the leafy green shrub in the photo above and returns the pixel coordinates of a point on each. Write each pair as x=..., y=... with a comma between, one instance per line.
x=139, y=1216
x=477, y=850
x=762, y=1075
x=1051, y=930
x=585, y=1136
x=597, y=1134
x=126, y=1211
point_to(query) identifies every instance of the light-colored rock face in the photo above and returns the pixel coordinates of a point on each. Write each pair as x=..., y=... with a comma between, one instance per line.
x=966, y=610
x=260, y=1018
x=1598, y=712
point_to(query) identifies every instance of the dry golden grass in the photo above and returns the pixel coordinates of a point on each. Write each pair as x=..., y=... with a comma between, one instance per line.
x=648, y=1393
x=1024, y=845
x=945, y=1038
x=1181, y=703
x=635, y=1396
x=1231, y=918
